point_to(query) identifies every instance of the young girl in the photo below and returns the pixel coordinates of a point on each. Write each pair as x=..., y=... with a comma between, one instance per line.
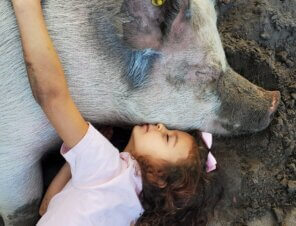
x=161, y=178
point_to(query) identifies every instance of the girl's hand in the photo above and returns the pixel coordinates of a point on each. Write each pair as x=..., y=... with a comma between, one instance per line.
x=44, y=205
x=24, y=3
x=58, y=183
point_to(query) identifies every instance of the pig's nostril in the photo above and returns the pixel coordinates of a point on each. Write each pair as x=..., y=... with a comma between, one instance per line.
x=275, y=101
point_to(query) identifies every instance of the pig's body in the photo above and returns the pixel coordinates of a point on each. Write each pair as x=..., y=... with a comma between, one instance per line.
x=112, y=84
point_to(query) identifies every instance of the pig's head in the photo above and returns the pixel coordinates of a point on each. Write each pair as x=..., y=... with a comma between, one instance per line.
x=184, y=80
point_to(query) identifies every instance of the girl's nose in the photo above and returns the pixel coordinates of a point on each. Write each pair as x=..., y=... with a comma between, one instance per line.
x=160, y=126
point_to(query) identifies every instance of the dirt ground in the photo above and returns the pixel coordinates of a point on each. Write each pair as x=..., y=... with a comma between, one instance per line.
x=259, y=170
x=259, y=37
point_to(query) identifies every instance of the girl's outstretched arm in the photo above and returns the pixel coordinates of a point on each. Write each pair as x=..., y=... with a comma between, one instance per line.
x=46, y=74
x=58, y=183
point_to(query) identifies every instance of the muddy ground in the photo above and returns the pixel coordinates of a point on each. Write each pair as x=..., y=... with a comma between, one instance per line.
x=259, y=38
x=259, y=170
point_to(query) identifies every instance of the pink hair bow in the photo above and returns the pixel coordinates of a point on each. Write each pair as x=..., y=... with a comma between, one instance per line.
x=211, y=161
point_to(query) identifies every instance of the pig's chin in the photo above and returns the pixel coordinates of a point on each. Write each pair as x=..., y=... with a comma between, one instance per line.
x=215, y=127
x=237, y=129
x=225, y=128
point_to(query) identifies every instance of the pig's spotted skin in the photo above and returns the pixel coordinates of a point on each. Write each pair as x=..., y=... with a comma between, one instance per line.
x=108, y=86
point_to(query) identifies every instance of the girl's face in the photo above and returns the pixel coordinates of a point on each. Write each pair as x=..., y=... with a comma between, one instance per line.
x=159, y=143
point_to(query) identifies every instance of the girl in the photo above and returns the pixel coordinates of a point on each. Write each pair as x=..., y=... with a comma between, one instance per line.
x=159, y=179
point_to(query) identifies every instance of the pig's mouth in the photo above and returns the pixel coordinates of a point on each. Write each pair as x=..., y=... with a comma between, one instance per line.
x=247, y=127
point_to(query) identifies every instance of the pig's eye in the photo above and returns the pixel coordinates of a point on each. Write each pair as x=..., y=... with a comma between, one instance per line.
x=168, y=138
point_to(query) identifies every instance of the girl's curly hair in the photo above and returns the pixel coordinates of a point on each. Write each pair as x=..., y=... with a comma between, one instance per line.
x=178, y=194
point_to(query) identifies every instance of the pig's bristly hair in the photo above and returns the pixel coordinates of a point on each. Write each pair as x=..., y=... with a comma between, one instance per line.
x=138, y=65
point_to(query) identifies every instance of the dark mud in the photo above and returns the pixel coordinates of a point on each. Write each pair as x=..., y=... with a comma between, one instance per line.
x=259, y=39
x=259, y=170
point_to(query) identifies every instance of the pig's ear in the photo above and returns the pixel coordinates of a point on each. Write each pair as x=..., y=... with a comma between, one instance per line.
x=177, y=19
x=148, y=25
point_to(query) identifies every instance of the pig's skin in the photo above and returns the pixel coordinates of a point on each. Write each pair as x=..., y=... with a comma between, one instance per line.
x=179, y=83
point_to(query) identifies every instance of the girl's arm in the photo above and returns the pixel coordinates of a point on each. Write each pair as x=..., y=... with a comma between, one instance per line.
x=58, y=183
x=46, y=74
x=63, y=176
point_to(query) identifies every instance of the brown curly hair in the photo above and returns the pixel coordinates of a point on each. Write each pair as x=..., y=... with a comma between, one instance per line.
x=178, y=194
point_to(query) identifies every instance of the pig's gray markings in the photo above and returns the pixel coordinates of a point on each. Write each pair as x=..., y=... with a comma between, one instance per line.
x=25, y=214
x=139, y=63
x=177, y=81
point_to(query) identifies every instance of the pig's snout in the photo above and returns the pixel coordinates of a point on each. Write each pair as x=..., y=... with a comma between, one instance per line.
x=275, y=100
x=245, y=107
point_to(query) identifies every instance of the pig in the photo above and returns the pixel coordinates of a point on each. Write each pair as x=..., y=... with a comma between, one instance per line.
x=127, y=62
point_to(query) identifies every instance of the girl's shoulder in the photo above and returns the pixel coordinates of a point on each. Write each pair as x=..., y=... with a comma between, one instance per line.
x=132, y=164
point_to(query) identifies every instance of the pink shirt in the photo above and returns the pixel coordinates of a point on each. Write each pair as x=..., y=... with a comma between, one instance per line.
x=103, y=190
